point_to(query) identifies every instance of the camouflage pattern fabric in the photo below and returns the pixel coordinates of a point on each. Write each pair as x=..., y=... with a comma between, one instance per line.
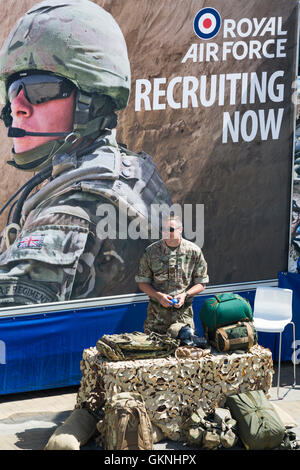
x=126, y=424
x=209, y=431
x=61, y=252
x=77, y=40
x=171, y=272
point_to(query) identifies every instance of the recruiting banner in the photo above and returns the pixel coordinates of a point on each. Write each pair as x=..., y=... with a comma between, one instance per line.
x=188, y=105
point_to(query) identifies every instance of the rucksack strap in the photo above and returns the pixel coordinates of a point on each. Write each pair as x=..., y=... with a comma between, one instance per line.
x=250, y=334
x=122, y=424
x=225, y=297
x=144, y=432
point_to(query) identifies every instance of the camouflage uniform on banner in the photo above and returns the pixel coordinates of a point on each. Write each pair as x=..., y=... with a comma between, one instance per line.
x=55, y=247
x=171, y=271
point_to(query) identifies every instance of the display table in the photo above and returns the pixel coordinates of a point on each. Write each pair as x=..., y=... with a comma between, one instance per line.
x=171, y=384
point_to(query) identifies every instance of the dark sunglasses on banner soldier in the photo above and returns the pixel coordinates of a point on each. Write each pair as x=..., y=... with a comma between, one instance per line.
x=40, y=88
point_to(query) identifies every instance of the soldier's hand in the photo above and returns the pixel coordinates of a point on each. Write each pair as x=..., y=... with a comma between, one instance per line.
x=164, y=299
x=181, y=300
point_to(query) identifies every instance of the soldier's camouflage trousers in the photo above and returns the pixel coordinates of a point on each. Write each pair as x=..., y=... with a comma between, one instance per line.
x=160, y=318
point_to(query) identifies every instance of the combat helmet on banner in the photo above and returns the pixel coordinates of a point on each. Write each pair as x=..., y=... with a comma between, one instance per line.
x=73, y=52
x=80, y=42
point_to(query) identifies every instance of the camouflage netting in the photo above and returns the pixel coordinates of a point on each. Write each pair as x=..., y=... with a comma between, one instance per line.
x=170, y=385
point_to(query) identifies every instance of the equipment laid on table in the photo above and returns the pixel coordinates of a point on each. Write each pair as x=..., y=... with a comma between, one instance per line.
x=136, y=345
x=224, y=309
x=227, y=322
x=188, y=337
x=240, y=335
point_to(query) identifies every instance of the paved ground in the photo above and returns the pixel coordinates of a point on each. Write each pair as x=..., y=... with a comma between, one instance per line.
x=28, y=420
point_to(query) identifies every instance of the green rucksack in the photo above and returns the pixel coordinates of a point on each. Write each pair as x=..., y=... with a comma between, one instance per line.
x=224, y=309
x=258, y=424
x=240, y=335
x=126, y=424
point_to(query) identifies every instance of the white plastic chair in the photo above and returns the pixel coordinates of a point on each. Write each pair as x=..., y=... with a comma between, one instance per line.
x=272, y=312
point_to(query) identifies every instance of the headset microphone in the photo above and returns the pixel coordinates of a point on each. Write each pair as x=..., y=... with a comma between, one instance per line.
x=17, y=132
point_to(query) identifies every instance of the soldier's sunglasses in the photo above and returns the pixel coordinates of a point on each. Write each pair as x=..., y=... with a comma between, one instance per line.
x=40, y=88
x=170, y=229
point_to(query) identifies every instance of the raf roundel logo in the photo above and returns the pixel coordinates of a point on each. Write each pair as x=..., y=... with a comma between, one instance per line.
x=207, y=23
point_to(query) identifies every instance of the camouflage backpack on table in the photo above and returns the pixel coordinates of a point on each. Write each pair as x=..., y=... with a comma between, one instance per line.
x=126, y=424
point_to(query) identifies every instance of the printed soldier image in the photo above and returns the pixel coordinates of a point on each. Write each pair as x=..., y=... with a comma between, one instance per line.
x=64, y=74
x=171, y=271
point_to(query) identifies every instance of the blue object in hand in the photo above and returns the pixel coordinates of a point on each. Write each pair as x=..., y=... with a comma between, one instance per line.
x=174, y=301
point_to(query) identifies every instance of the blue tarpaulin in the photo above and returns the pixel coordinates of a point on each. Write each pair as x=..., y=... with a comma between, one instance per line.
x=290, y=281
x=44, y=351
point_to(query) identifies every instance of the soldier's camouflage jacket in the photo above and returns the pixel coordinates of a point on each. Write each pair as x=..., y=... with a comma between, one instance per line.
x=171, y=272
x=62, y=251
